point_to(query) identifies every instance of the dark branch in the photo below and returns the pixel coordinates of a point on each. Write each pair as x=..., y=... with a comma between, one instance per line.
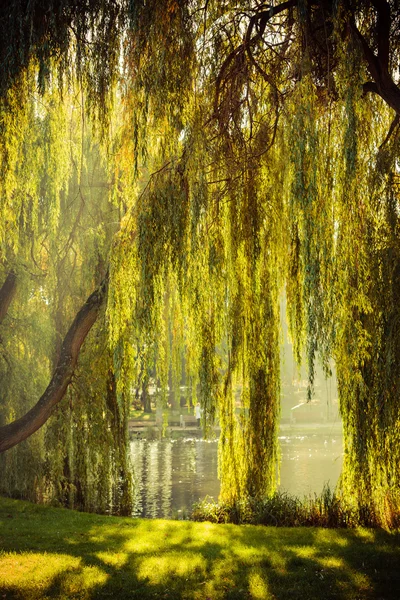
x=383, y=84
x=372, y=60
x=370, y=86
x=261, y=18
x=383, y=9
x=7, y=293
x=392, y=128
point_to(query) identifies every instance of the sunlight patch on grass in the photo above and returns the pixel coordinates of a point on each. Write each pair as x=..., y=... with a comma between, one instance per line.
x=331, y=562
x=331, y=537
x=33, y=569
x=359, y=579
x=141, y=546
x=74, y=581
x=156, y=569
x=188, y=535
x=140, y=415
x=26, y=568
x=208, y=531
x=305, y=551
x=224, y=570
x=258, y=586
x=368, y=535
x=253, y=555
x=113, y=559
x=351, y=580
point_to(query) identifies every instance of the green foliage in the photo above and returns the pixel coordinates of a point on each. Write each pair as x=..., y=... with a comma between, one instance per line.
x=241, y=159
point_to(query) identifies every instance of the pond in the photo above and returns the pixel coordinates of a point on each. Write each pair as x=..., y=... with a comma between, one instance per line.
x=172, y=474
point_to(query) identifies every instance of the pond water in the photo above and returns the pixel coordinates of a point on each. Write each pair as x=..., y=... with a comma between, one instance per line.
x=171, y=474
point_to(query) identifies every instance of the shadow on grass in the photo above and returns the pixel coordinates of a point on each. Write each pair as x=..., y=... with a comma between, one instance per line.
x=50, y=553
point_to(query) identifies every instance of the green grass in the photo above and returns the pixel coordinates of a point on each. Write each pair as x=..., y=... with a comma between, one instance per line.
x=140, y=415
x=57, y=553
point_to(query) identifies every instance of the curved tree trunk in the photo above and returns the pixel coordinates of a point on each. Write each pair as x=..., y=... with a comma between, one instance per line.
x=19, y=430
x=7, y=293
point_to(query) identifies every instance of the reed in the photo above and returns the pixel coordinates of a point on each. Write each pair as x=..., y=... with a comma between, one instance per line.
x=327, y=509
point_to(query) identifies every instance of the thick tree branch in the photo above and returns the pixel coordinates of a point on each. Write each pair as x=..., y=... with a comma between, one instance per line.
x=15, y=432
x=7, y=293
x=370, y=86
x=372, y=60
x=378, y=67
x=395, y=123
x=262, y=18
x=383, y=9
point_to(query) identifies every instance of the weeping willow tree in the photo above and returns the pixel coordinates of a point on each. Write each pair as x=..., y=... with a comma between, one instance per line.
x=248, y=150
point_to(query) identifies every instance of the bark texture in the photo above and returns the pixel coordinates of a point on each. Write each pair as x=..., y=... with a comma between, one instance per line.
x=7, y=293
x=17, y=431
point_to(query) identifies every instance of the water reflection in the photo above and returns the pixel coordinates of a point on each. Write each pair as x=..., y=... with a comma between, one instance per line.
x=173, y=474
x=310, y=461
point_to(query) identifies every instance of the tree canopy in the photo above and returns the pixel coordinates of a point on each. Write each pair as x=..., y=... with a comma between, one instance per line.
x=199, y=159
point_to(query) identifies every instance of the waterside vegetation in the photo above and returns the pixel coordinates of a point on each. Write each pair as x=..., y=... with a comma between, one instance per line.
x=284, y=510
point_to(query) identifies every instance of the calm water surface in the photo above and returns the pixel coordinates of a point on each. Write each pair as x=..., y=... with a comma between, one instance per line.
x=173, y=474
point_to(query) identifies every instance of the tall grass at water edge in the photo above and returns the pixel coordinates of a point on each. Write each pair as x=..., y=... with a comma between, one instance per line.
x=283, y=510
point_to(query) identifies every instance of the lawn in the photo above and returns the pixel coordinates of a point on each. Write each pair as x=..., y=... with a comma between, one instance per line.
x=57, y=553
x=140, y=415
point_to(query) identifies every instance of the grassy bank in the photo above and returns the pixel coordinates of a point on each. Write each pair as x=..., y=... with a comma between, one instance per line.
x=56, y=553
